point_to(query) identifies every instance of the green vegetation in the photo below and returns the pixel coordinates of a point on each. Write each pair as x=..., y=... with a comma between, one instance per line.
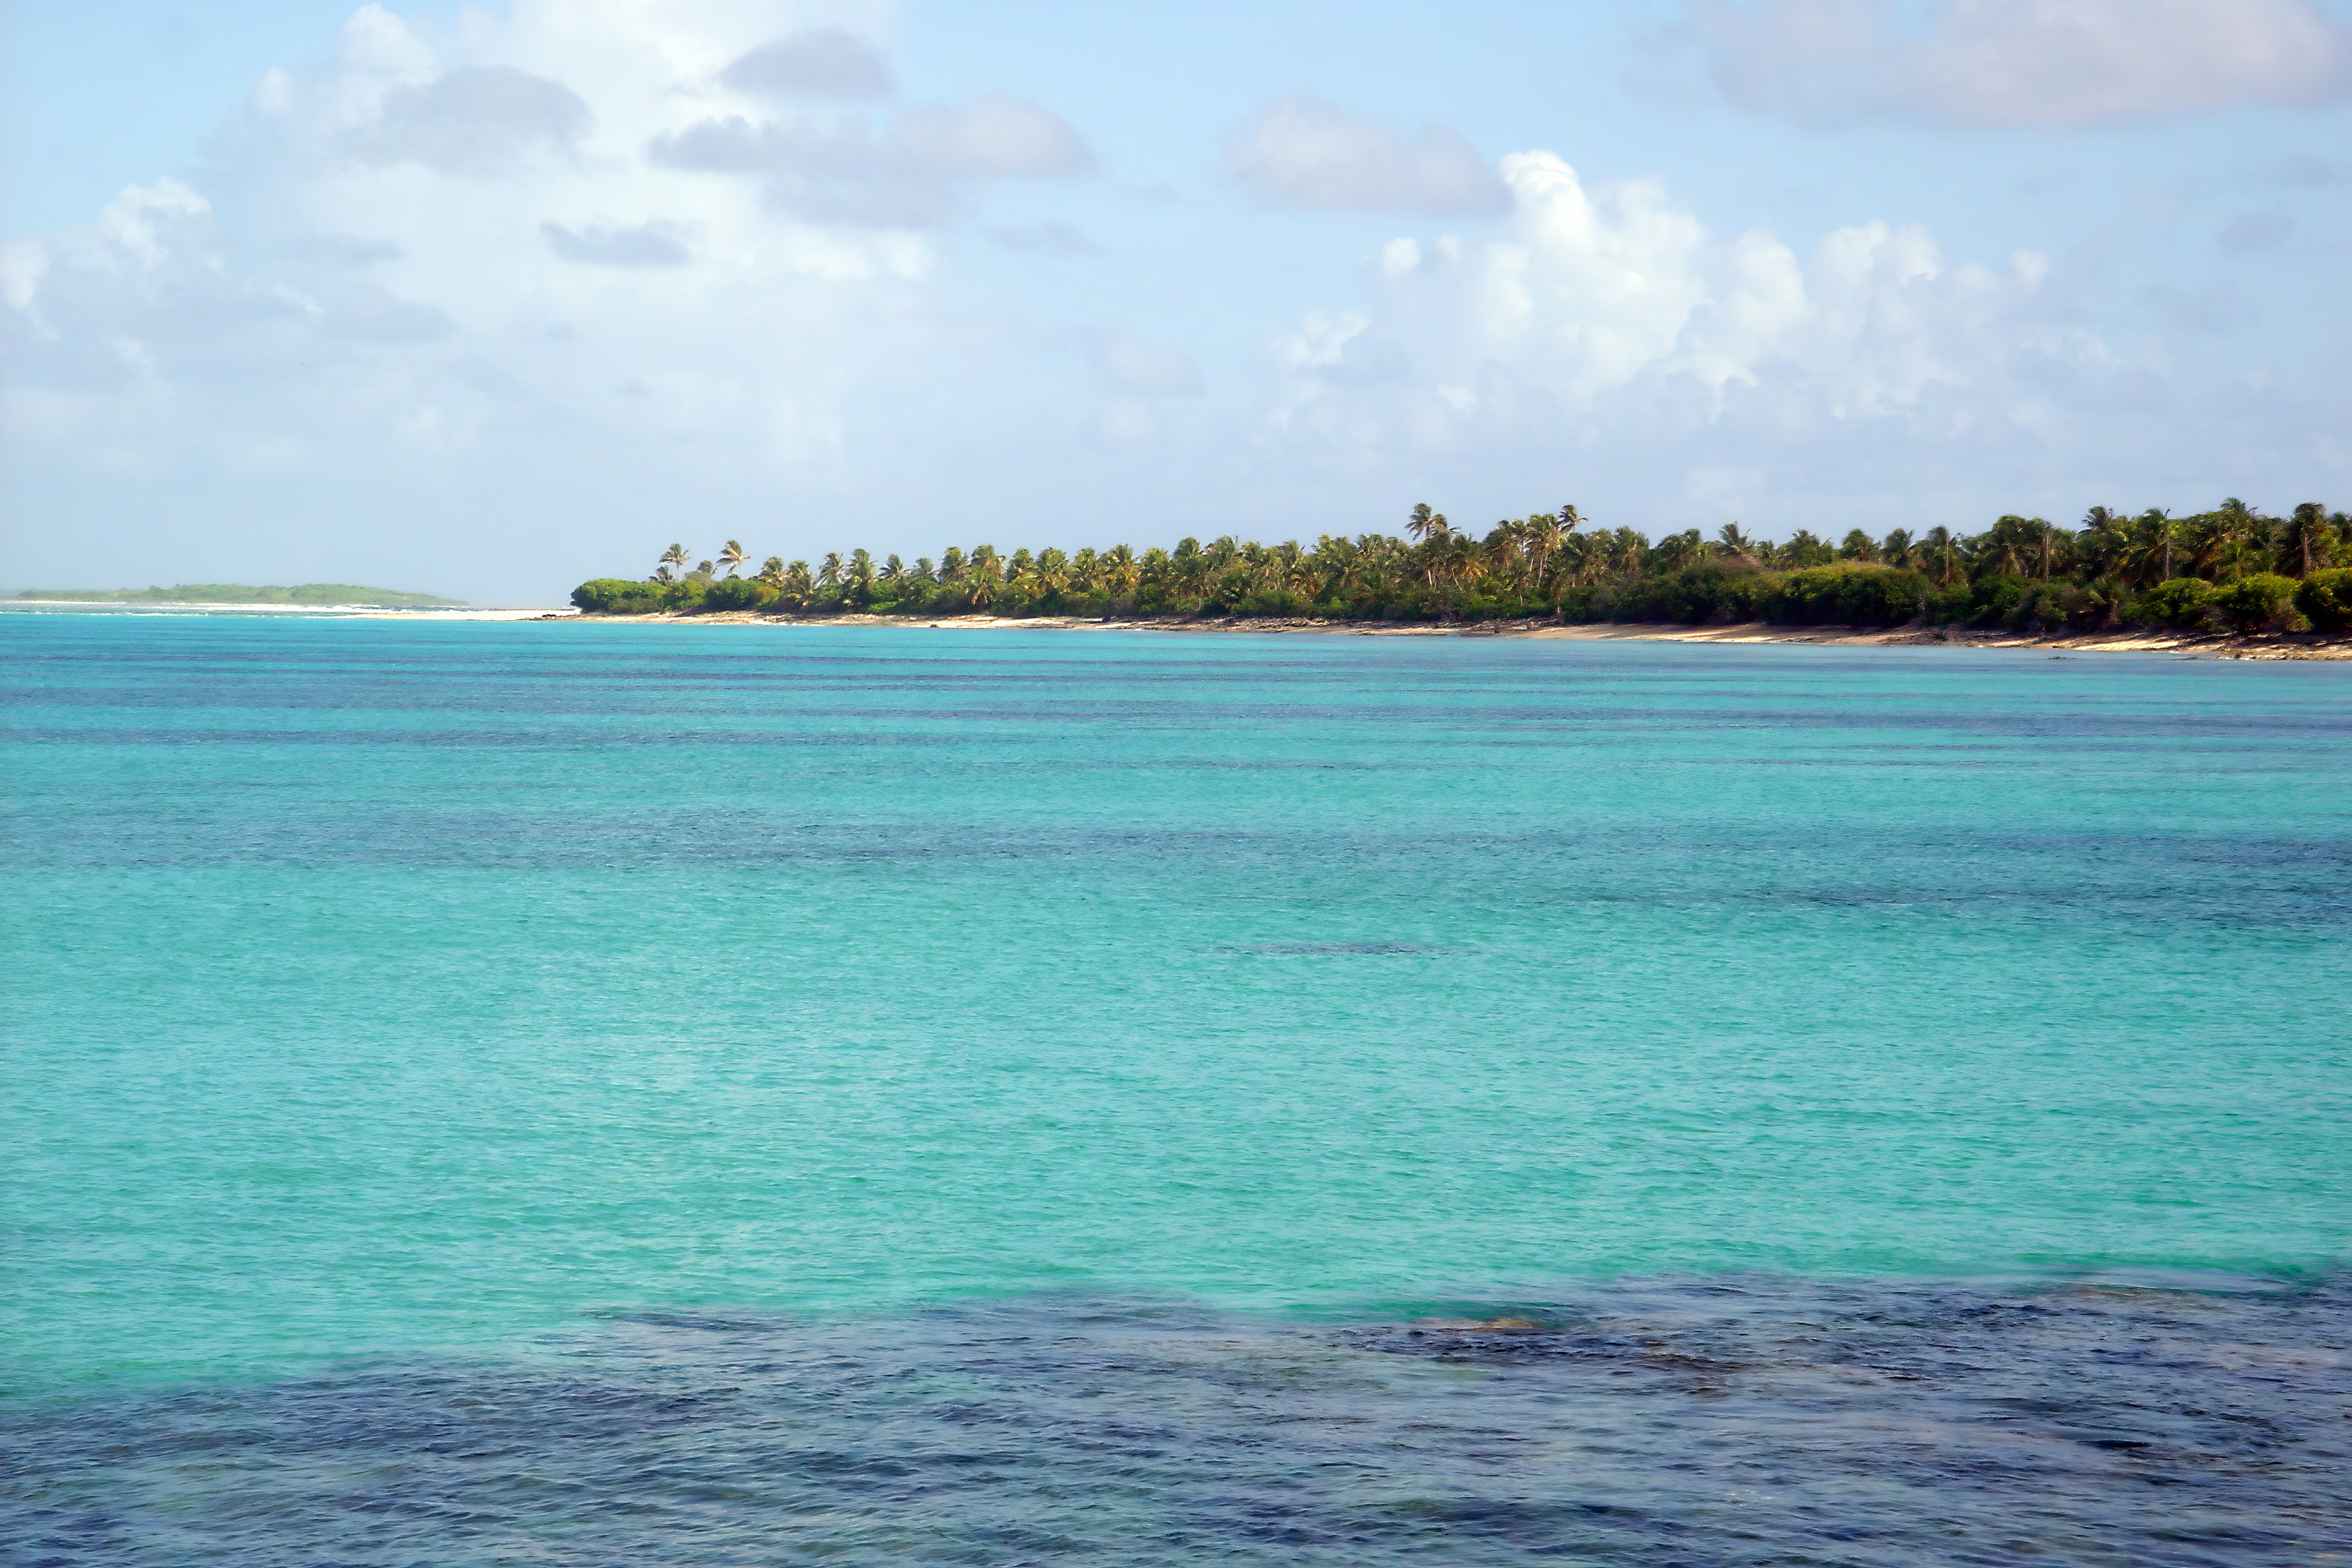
x=2230, y=569
x=241, y=593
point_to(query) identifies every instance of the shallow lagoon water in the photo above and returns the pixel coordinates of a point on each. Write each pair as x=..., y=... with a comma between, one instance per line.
x=476, y=1013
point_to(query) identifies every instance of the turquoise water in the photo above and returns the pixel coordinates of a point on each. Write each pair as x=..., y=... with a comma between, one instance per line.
x=450, y=993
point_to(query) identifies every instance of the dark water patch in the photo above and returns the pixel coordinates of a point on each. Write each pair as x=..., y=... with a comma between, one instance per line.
x=1341, y=949
x=1732, y=1423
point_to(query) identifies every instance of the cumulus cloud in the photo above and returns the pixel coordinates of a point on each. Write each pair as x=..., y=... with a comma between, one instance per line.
x=1595, y=308
x=435, y=282
x=823, y=62
x=902, y=173
x=471, y=121
x=2024, y=62
x=635, y=244
x=1304, y=152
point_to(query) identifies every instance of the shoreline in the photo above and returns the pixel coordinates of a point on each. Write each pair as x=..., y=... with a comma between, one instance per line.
x=2261, y=646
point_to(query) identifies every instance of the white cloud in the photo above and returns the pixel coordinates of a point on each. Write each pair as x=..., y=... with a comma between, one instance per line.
x=823, y=62
x=471, y=121
x=1612, y=314
x=1304, y=152
x=435, y=290
x=2024, y=62
x=900, y=174
x=634, y=245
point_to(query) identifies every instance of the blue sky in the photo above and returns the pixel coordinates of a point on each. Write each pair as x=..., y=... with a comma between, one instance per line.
x=487, y=300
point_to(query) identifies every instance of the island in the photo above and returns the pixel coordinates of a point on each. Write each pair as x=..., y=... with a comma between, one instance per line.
x=2230, y=570
x=319, y=595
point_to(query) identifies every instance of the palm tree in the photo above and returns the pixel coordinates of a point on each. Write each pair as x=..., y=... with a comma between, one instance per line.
x=1857, y=546
x=1804, y=550
x=2307, y=541
x=676, y=556
x=1628, y=552
x=1120, y=570
x=1941, y=545
x=828, y=571
x=731, y=557
x=2007, y=544
x=1896, y=551
x=1731, y=542
x=2157, y=528
x=1544, y=535
x=1425, y=524
x=1503, y=559
x=1682, y=550
x=771, y=571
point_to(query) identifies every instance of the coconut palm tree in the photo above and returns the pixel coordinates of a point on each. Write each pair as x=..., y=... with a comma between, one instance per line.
x=2010, y=544
x=1542, y=536
x=676, y=556
x=731, y=557
x=1944, y=549
x=1731, y=542
x=1804, y=550
x=1678, y=551
x=1120, y=570
x=2306, y=542
x=1857, y=546
x=828, y=571
x=771, y=571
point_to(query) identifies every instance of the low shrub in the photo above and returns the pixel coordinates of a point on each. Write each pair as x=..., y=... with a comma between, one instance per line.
x=2262, y=601
x=1850, y=594
x=2059, y=607
x=738, y=593
x=2325, y=599
x=617, y=596
x=1713, y=591
x=2177, y=602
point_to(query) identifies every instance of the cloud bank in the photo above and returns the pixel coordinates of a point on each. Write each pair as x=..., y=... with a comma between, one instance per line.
x=1610, y=320
x=2024, y=62
x=1304, y=152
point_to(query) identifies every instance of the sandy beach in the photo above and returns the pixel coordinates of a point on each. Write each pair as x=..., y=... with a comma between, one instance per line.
x=2285, y=646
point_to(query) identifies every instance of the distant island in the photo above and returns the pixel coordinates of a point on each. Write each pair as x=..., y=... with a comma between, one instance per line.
x=319, y=594
x=2228, y=569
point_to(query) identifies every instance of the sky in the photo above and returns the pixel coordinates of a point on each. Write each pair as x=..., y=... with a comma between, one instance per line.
x=485, y=299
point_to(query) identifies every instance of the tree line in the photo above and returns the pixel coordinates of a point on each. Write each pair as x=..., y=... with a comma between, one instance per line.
x=2232, y=568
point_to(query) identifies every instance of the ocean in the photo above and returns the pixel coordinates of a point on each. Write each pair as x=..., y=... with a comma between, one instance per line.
x=500, y=1093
